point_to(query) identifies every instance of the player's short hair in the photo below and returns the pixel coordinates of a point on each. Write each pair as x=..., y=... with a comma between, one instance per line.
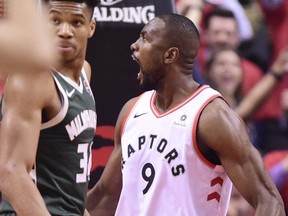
x=90, y=3
x=182, y=33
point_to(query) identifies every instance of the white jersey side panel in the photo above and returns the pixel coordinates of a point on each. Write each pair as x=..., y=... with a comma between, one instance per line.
x=163, y=171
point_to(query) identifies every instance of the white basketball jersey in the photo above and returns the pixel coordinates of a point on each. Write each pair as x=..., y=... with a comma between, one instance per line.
x=164, y=173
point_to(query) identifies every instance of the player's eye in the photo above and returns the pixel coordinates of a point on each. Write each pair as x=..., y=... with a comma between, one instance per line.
x=77, y=23
x=55, y=21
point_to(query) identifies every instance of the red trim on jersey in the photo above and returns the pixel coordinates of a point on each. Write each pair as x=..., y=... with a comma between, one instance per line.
x=128, y=114
x=158, y=115
x=194, y=129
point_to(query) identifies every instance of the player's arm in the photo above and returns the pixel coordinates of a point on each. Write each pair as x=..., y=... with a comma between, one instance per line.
x=257, y=95
x=221, y=130
x=22, y=105
x=103, y=197
x=25, y=42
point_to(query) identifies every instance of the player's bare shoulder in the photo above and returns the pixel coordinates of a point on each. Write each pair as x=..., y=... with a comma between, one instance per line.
x=35, y=86
x=221, y=129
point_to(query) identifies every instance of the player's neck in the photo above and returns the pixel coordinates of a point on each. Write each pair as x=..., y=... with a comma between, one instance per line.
x=70, y=69
x=170, y=96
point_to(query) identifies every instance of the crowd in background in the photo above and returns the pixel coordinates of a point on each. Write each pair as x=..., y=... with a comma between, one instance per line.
x=244, y=48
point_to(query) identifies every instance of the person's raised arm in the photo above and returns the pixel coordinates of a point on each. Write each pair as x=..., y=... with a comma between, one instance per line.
x=264, y=87
x=191, y=9
x=241, y=161
x=103, y=197
x=23, y=100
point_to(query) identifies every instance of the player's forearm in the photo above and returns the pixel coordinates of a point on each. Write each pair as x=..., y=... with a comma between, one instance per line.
x=256, y=97
x=273, y=207
x=102, y=212
x=103, y=207
x=101, y=204
x=22, y=193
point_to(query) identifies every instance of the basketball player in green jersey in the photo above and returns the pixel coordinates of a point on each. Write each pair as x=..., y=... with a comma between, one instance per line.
x=48, y=123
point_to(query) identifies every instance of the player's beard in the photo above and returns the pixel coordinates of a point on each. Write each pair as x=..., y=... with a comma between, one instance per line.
x=150, y=79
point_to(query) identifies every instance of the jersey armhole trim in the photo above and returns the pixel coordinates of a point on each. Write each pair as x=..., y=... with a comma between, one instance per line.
x=64, y=108
x=128, y=114
x=194, y=133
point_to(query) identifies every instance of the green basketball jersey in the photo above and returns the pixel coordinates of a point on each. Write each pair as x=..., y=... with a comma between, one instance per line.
x=63, y=161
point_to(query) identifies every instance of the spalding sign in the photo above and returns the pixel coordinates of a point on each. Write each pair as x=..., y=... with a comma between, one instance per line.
x=122, y=13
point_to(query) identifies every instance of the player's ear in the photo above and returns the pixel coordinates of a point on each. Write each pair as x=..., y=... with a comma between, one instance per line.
x=171, y=55
x=92, y=27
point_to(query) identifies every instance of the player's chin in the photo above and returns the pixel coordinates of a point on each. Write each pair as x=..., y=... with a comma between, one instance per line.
x=65, y=57
x=146, y=86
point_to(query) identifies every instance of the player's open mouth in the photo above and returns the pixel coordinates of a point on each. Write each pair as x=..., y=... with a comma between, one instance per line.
x=136, y=59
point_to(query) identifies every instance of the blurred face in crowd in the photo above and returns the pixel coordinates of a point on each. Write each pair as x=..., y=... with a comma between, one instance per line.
x=221, y=31
x=225, y=72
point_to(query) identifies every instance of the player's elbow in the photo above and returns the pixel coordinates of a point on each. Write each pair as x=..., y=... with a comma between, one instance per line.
x=8, y=174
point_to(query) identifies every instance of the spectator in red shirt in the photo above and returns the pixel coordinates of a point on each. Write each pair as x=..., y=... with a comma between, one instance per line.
x=272, y=132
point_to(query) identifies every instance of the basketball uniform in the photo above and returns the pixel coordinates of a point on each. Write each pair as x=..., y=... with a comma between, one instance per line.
x=163, y=170
x=63, y=161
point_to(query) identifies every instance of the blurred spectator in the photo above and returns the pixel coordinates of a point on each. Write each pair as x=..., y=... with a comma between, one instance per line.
x=191, y=9
x=223, y=72
x=254, y=41
x=197, y=8
x=276, y=16
x=221, y=29
x=272, y=134
x=245, y=30
x=258, y=49
x=277, y=164
x=284, y=105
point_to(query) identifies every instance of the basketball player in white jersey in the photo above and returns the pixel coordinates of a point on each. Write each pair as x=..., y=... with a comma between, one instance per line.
x=179, y=147
x=25, y=42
